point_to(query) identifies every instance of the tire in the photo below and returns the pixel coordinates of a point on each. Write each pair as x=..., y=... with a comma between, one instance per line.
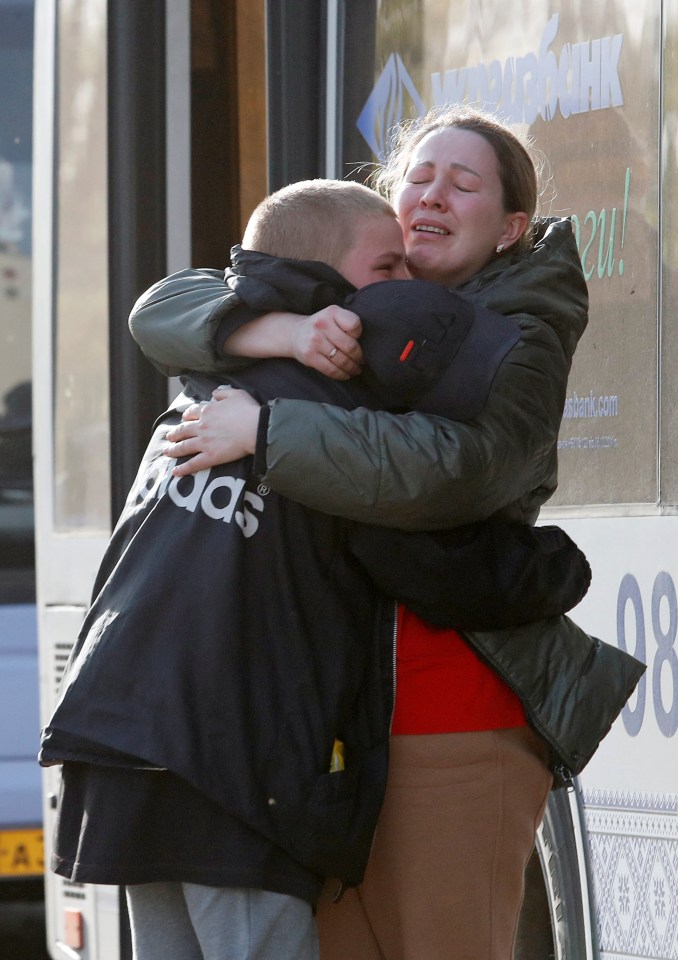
x=555, y=921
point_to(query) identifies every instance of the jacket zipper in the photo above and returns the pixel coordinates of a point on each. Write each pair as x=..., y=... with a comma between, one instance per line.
x=343, y=886
x=394, y=664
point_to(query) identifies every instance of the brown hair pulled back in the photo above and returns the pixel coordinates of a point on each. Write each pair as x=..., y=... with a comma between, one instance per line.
x=516, y=168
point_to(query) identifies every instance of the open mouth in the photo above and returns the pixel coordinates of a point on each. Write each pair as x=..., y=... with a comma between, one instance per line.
x=426, y=228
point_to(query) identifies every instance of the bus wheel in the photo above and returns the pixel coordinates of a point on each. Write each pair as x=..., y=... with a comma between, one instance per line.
x=555, y=921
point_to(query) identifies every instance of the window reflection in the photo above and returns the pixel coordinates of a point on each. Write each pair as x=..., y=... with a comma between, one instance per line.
x=81, y=335
x=599, y=139
x=17, y=578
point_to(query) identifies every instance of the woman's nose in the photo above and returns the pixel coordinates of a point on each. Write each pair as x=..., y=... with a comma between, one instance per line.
x=433, y=196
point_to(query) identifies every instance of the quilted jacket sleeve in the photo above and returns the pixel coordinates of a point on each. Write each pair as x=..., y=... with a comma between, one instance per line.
x=175, y=322
x=418, y=471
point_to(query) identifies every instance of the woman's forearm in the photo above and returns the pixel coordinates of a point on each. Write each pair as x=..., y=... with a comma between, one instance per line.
x=422, y=472
x=273, y=335
x=327, y=340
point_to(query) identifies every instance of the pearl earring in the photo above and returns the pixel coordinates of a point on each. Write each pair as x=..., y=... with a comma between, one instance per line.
x=500, y=247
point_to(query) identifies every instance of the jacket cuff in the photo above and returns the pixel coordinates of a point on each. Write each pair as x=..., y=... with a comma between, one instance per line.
x=235, y=318
x=259, y=465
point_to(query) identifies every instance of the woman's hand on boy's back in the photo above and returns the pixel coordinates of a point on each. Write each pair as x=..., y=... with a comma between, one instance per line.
x=213, y=432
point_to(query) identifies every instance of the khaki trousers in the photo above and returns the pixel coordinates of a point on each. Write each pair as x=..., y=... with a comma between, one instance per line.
x=446, y=875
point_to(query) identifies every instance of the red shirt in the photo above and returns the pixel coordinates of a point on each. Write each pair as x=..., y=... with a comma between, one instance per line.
x=442, y=686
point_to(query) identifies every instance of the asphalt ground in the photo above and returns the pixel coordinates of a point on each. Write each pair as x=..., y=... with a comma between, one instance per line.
x=22, y=925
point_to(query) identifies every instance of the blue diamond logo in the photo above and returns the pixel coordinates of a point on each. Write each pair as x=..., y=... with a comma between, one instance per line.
x=393, y=98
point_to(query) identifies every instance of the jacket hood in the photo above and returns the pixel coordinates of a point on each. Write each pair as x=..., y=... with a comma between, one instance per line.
x=265, y=283
x=430, y=348
x=546, y=282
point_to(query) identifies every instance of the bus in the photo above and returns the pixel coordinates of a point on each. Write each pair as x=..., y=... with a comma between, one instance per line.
x=157, y=128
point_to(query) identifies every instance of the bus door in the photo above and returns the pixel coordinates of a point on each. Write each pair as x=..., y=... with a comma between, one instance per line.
x=71, y=395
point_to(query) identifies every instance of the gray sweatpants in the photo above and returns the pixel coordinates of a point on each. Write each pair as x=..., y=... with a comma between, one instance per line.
x=187, y=921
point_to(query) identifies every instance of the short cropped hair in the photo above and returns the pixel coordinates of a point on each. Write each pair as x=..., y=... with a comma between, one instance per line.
x=313, y=220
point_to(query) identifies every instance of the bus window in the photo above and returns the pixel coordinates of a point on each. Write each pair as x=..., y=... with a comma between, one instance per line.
x=20, y=800
x=599, y=137
x=81, y=468
x=669, y=226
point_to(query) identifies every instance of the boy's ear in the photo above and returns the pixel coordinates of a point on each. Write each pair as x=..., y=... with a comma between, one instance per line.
x=515, y=227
